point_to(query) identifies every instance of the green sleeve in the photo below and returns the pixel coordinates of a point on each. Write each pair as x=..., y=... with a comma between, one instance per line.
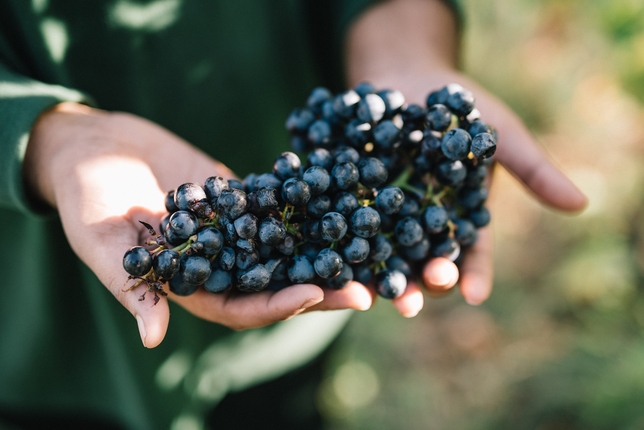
x=21, y=102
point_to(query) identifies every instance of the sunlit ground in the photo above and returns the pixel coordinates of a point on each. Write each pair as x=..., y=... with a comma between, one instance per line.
x=560, y=345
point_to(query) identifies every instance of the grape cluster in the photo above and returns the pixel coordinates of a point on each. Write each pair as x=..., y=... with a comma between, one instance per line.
x=385, y=186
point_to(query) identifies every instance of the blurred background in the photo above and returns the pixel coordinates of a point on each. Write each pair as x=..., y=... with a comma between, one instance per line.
x=560, y=344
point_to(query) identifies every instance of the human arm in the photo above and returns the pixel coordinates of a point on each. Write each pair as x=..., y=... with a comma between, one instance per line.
x=412, y=46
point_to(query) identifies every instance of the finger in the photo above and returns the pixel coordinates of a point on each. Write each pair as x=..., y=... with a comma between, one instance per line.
x=353, y=296
x=411, y=302
x=477, y=269
x=440, y=274
x=241, y=311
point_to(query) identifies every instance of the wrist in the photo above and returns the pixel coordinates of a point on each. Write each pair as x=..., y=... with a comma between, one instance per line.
x=395, y=40
x=47, y=157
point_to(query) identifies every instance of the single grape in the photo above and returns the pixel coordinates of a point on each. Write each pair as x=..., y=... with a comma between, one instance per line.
x=333, y=227
x=373, y=172
x=345, y=175
x=301, y=270
x=296, y=192
x=318, y=179
x=246, y=226
x=212, y=240
x=328, y=263
x=137, y=261
x=219, y=281
x=390, y=200
x=342, y=279
x=287, y=165
x=408, y=231
x=456, y=144
x=253, y=279
x=483, y=145
x=365, y=222
x=194, y=269
x=271, y=231
x=434, y=219
x=390, y=283
x=166, y=264
x=356, y=251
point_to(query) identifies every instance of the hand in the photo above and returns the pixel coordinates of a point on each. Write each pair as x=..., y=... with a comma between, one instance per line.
x=411, y=46
x=104, y=172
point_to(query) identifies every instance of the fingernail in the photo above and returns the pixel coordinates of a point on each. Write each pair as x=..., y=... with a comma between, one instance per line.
x=142, y=332
x=439, y=278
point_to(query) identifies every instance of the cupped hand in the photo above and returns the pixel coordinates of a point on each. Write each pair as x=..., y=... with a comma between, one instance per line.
x=104, y=172
x=412, y=46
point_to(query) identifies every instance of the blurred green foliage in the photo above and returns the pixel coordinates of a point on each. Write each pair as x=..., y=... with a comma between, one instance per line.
x=560, y=344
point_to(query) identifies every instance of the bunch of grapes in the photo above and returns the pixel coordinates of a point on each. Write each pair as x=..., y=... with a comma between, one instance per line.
x=385, y=186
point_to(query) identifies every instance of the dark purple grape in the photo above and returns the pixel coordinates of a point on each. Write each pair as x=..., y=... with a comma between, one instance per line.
x=480, y=217
x=371, y=108
x=483, y=145
x=219, y=281
x=311, y=231
x=356, y=251
x=296, y=192
x=380, y=247
x=267, y=180
x=213, y=187
x=447, y=248
x=211, y=239
x=333, y=227
x=396, y=262
x=287, y=165
x=320, y=134
x=364, y=88
x=461, y=102
x=477, y=127
x=390, y=283
x=300, y=270
x=137, y=261
x=345, y=203
x=227, y=258
x=358, y=133
x=249, y=182
x=234, y=183
x=345, y=175
x=271, y=231
x=320, y=157
x=170, y=206
x=253, y=279
x=438, y=118
x=451, y=173
x=346, y=153
x=181, y=225
x=342, y=279
x=408, y=231
x=180, y=287
x=365, y=222
x=456, y=144
x=362, y=273
x=318, y=179
x=317, y=97
x=299, y=120
x=386, y=135
x=328, y=263
x=232, y=203
x=287, y=245
x=166, y=264
x=346, y=103
x=246, y=259
x=418, y=251
x=373, y=172
x=465, y=233
x=194, y=269
x=187, y=195
x=318, y=206
x=434, y=219
x=390, y=200
x=246, y=226
x=471, y=199
x=394, y=101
